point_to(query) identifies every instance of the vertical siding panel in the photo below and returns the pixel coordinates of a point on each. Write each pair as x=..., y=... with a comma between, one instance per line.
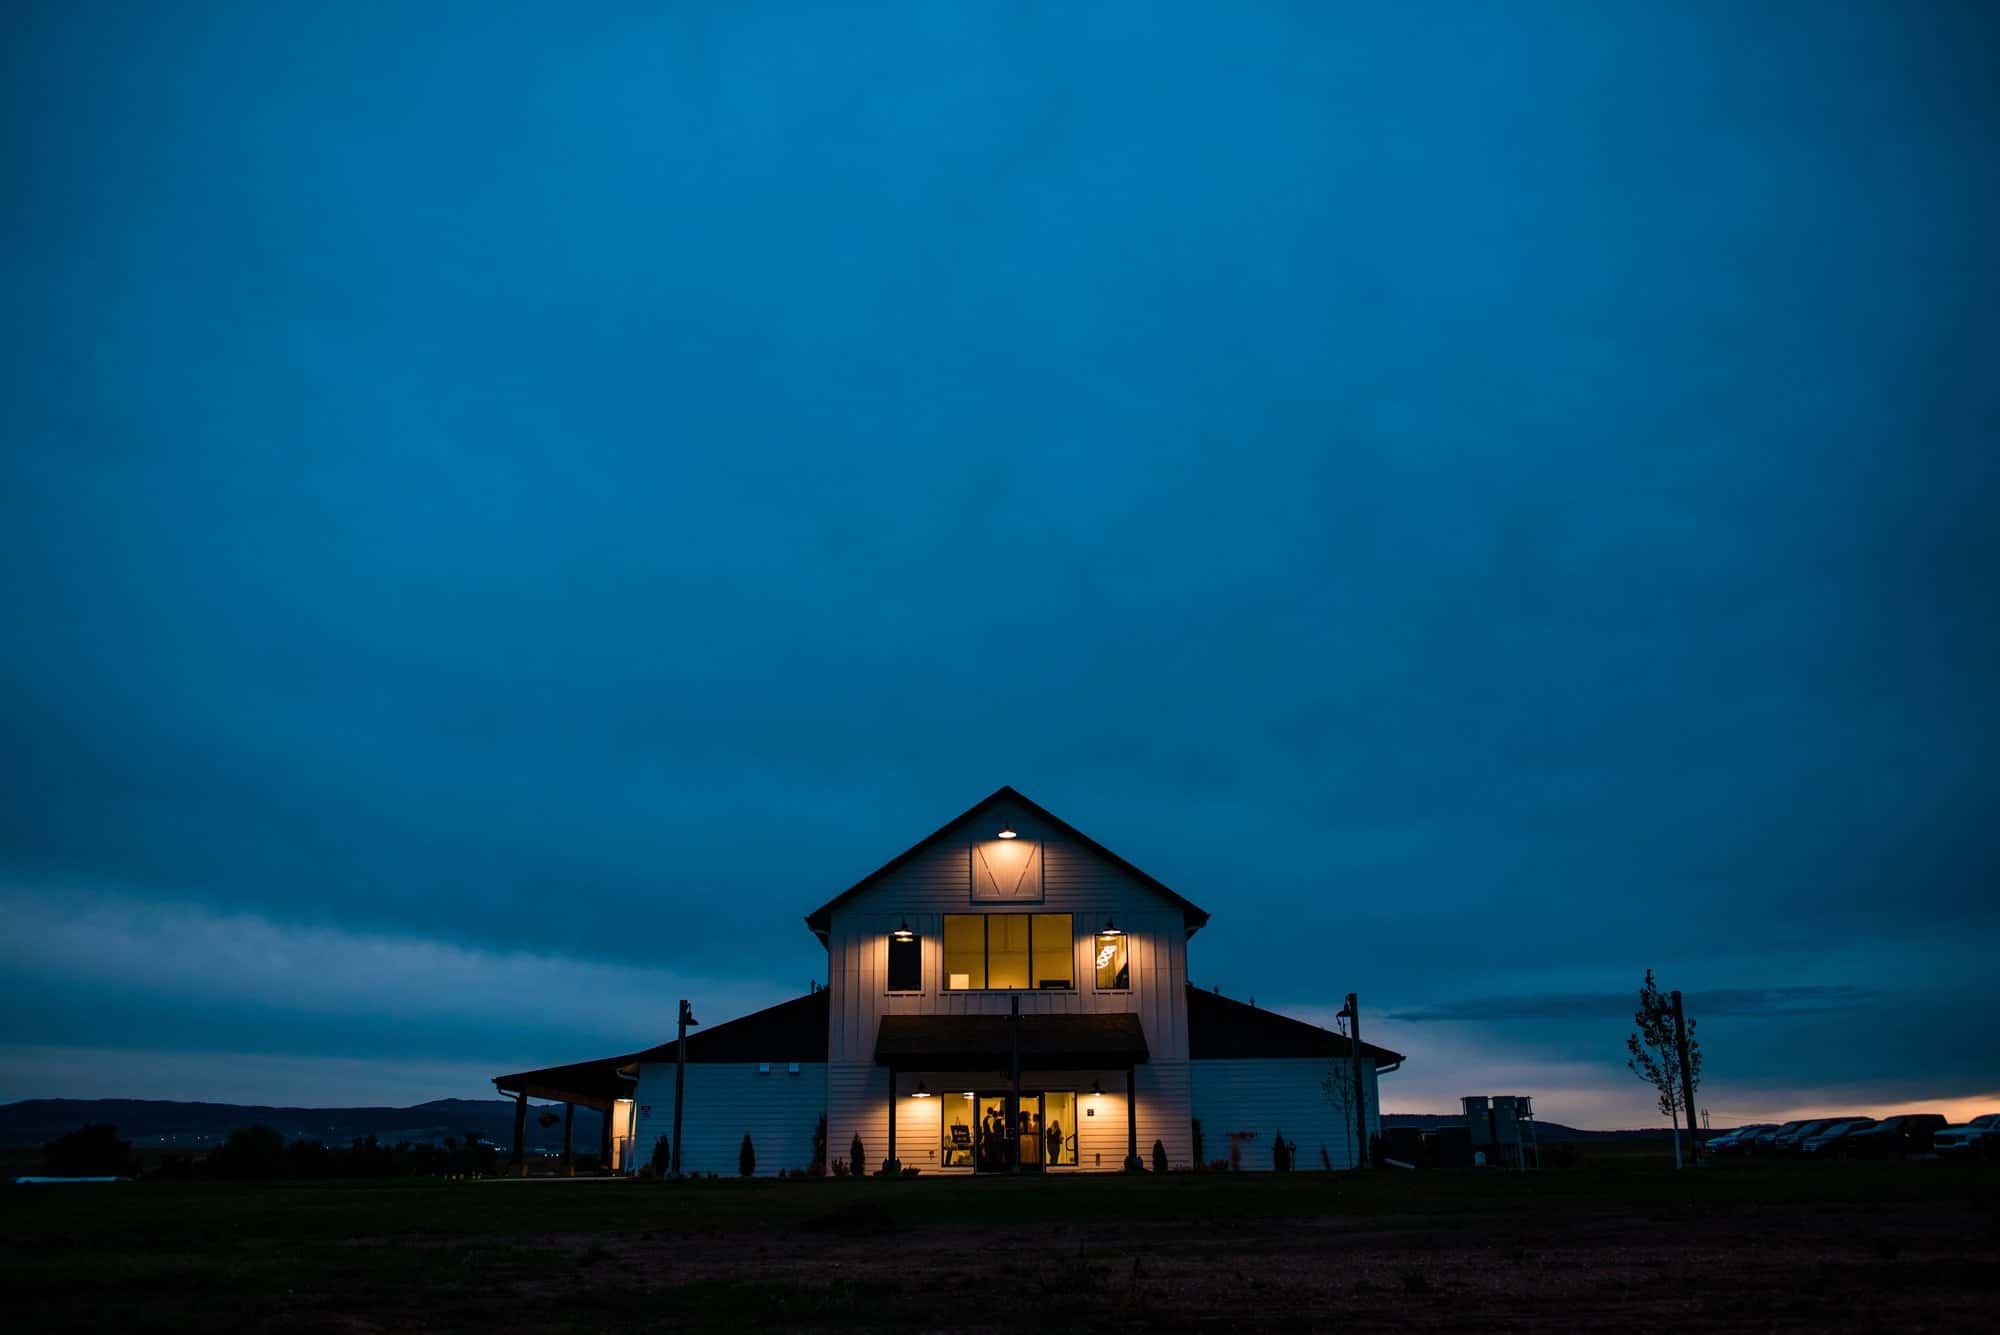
x=726, y=1100
x=1272, y=1094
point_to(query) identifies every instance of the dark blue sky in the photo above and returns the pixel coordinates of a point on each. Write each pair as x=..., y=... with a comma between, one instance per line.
x=504, y=510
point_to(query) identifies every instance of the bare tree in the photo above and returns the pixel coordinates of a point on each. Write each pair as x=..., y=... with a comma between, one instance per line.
x=1338, y=1086
x=1655, y=1055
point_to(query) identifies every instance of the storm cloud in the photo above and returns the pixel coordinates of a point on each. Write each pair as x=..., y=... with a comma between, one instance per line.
x=503, y=512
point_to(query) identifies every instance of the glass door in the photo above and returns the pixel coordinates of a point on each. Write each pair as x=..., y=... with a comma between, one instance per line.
x=998, y=1143
x=977, y=1134
x=958, y=1122
x=1059, y=1128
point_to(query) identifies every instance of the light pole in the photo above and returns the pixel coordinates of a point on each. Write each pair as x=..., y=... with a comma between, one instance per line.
x=687, y=1021
x=1352, y=1010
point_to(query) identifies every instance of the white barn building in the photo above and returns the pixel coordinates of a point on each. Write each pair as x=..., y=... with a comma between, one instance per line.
x=912, y=1046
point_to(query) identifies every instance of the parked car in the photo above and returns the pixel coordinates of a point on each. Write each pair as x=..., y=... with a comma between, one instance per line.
x=1727, y=1143
x=1978, y=1138
x=1788, y=1142
x=1894, y=1137
x=1825, y=1144
x=1761, y=1143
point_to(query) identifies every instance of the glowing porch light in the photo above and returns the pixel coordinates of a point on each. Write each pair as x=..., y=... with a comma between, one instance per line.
x=1007, y=832
x=1111, y=928
x=923, y=1091
x=903, y=933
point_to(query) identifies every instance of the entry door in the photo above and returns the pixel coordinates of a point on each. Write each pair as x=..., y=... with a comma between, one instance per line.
x=1000, y=1143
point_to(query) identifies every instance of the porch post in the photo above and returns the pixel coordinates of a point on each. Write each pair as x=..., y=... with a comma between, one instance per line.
x=892, y=1164
x=569, y=1140
x=518, y=1164
x=604, y=1137
x=1133, y=1163
x=1014, y=1090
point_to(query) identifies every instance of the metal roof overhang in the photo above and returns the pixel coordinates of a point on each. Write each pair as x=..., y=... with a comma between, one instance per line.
x=595, y=1084
x=985, y=1042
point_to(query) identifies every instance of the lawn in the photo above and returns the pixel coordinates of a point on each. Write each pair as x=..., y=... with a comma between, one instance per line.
x=1902, y=1246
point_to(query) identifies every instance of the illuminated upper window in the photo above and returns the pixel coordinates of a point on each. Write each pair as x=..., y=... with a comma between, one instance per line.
x=1114, y=962
x=1010, y=951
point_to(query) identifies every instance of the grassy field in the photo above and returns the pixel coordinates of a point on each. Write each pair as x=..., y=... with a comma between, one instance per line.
x=1867, y=1246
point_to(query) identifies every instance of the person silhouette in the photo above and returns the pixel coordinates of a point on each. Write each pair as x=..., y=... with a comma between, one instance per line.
x=1055, y=1141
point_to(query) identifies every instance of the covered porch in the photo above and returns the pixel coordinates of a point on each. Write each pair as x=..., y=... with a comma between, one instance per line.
x=606, y=1085
x=1012, y=1093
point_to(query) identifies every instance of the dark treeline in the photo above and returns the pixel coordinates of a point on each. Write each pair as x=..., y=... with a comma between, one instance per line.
x=258, y=1153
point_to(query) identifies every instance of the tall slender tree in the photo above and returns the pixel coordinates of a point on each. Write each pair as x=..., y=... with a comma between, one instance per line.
x=1654, y=1054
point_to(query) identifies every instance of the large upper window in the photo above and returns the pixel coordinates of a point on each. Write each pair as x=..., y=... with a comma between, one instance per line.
x=1008, y=950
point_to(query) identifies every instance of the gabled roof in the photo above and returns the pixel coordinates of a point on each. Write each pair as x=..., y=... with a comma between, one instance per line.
x=821, y=918
x=796, y=1031
x=791, y=1031
x=1219, y=1027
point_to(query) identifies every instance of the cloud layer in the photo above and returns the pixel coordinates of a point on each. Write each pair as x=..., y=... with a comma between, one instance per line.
x=498, y=517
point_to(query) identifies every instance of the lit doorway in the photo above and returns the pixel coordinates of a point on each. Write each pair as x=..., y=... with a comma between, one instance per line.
x=976, y=1132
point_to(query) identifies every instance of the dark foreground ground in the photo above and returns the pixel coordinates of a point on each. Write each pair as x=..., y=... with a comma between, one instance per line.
x=1901, y=1247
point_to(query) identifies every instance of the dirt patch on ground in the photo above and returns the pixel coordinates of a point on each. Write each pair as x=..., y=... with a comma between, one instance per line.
x=1894, y=1247
x=1587, y=1271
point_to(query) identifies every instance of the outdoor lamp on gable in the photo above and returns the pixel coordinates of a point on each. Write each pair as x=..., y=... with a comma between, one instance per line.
x=1111, y=928
x=923, y=1091
x=903, y=933
x=1007, y=831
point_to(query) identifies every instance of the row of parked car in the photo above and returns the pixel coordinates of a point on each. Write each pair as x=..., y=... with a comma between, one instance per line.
x=1898, y=1137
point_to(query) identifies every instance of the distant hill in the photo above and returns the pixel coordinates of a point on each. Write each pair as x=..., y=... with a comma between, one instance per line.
x=1547, y=1133
x=158, y=1122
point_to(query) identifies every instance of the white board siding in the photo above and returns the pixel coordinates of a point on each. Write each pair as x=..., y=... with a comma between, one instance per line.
x=1075, y=880
x=727, y=1099
x=859, y=1102
x=1268, y=1095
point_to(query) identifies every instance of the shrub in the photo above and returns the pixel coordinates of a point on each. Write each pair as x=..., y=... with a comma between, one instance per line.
x=1198, y=1160
x=253, y=1153
x=857, y=1157
x=840, y=1168
x=309, y=1158
x=91, y=1151
x=1159, y=1157
x=1281, y=1154
x=1325, y=1159
x=746, y=1158
x=662, y=1161
x=818, y=1168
